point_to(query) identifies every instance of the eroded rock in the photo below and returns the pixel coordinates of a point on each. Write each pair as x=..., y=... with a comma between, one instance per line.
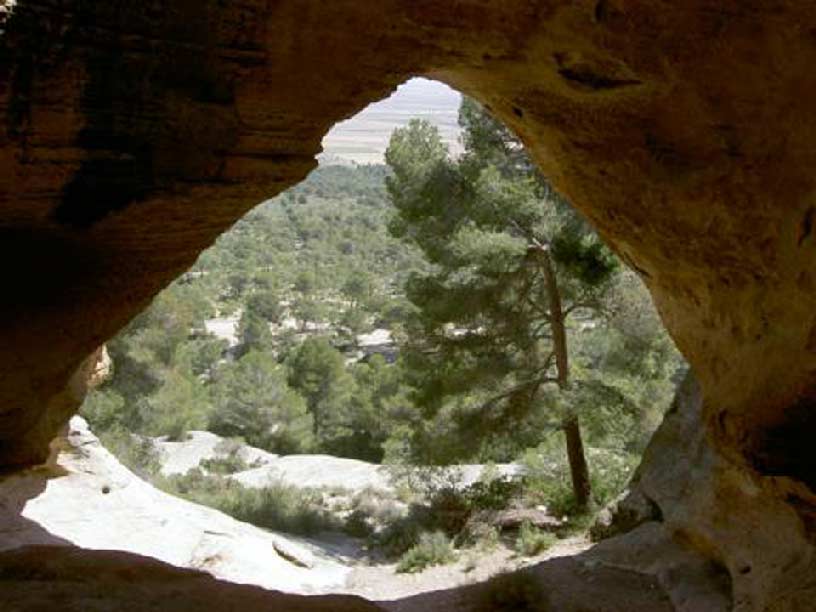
x=135, y=133
x=86, y=498
x=77, y=580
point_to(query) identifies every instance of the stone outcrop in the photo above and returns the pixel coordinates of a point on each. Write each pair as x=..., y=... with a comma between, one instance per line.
x=701, y=499
x=135, y=133
x=77, y=580
x=84, y=497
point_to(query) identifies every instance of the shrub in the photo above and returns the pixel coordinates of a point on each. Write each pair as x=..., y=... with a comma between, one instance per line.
x=137, y=454
x=610, y=473
x=103, y=409
x=451, y=510
x=228, y=458
x=547, y=478
x=493, y=493
x=447, y=513
x=230, y=464
x=556, y=494
x=380, y=509
x=402, y=535
x=532, y=541
x=357, y=525
x=480, y=535
x=432, y=549
x=278, y=507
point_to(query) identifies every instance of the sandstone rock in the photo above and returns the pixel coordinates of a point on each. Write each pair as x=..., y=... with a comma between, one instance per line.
x=690, y=581
x=565, y=584
x=689, y=486
x=102, y=365
x=315, y=471
x=181, y=456
x=514, y=518
x=88, y=499
x=76, y=580
x=629, y=510
x=135, y=133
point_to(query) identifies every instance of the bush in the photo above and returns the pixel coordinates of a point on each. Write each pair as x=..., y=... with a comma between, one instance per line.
x=547, y=479
x=449, y=509
x=432, y=549
x=402, y=535
x=230, y=464
x=357, y=525
x=103, y=409
x=278, y=507
x=381, y=508
x=446, y=513
x=481, y=535
x=137, y=454
x=493, y=493
x=228, y=458
x=531, y=541
x=610, y=474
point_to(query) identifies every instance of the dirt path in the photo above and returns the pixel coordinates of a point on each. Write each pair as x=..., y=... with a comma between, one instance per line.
x=380, y=582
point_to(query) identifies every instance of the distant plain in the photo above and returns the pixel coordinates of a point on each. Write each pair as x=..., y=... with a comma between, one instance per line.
x=364, y=138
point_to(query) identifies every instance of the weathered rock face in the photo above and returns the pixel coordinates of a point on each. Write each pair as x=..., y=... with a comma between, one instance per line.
x=76, y=580
x=687, y=491
x=134, y=133
x=706, y=501
x=86, y=498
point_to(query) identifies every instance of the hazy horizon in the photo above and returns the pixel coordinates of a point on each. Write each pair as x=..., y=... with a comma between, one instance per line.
x=364, y=138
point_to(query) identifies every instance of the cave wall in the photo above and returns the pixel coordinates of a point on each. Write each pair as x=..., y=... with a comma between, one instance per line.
x=135, y=133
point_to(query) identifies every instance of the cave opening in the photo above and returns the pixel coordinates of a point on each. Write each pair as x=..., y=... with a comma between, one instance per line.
x=204, y=401
x=684, y=134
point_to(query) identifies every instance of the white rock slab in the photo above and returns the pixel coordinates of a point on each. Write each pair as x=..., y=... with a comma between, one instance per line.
x=90, y=500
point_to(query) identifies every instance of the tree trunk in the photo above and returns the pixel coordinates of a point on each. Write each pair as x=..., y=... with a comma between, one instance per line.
x=579, y=472
x=581, y=487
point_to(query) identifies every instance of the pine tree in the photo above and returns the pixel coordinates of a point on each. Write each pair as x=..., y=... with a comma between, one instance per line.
x=511, y=263
x=318, y=372
x=254, y=401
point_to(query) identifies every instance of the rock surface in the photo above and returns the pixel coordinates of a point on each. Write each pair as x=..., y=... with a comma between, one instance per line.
x=304, y=471
x=135, y=133
x=75, y=580
x=684, y=482
x=86, y=498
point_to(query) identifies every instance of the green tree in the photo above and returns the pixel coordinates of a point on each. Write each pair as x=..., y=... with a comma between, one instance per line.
x=358, y=288
x=181, y=404
x=356, y=320
x=380, y=404
x=144, y=354
x=307, y=310
x=267, y=304
x=254, y=401
x=104, y=409
x=253, y=332
x=201, y=355
x=317, y=371
x=306, y=283
x=511, y=262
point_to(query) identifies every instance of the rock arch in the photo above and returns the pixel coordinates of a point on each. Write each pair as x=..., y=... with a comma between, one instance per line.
x=135, y=133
